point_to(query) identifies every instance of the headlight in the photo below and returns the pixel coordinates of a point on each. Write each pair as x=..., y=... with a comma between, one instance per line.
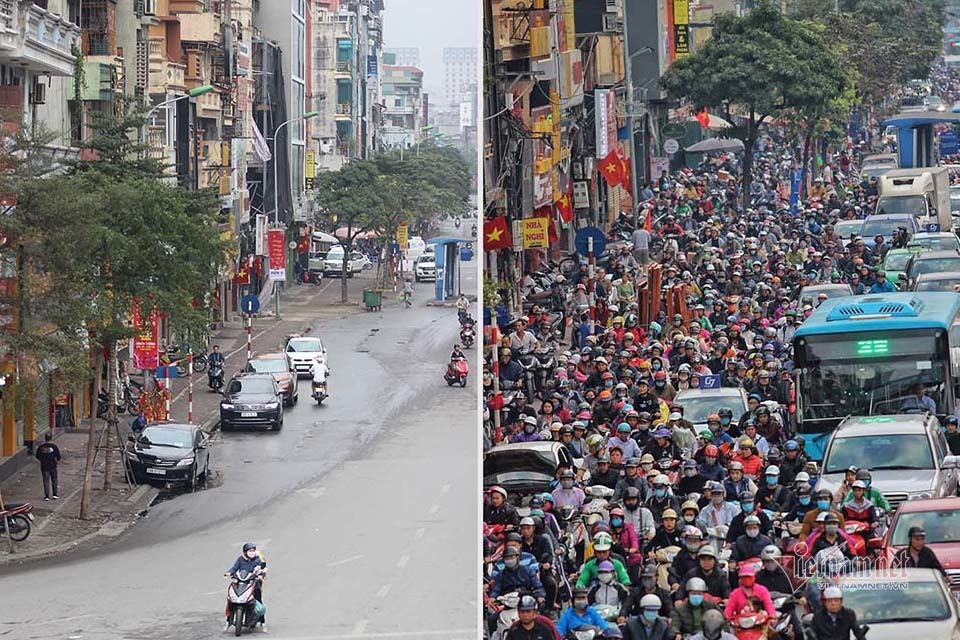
x=272, y=405
x=131, y=455
x=226, y=405
x=186, y=462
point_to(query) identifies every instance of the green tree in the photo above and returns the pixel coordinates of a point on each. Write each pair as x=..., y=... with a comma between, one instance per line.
x=760, y=65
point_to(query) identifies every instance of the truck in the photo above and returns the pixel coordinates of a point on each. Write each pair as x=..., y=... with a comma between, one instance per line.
x=922, y=191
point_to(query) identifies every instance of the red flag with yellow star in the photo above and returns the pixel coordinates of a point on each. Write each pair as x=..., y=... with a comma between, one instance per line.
x=243, y=273
x=565, y=207
x=703, y=117
x=496, y=234
x=624, y=171
x=610, y=168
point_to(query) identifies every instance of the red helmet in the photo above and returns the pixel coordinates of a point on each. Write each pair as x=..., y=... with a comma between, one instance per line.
x=711, y=450
x=660, y=375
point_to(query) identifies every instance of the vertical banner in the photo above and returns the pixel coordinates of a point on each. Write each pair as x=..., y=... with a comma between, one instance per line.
x=146, y=339
x=535, y=234
x=795, y=184
x=403, y=236
x=276, y=244
x=260, y=234
x=681, y=28
x=310, y=167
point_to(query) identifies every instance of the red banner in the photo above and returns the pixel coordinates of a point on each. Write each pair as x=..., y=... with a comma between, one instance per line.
x=276, y=249
x=146, y=340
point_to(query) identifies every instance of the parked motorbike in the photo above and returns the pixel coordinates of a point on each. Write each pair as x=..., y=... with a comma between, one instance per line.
x=456, y=372
x=242, y=605
x=215, y=377
x=17, y=517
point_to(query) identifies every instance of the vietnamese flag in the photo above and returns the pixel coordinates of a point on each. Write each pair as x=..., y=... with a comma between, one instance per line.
x=545, y=212
x=703, y=117
x=565, y=208
x=496, y=235
x=610, y=168
x=243, y=273
x=624, y=171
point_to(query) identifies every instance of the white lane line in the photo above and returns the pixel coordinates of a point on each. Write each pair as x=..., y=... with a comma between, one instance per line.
x=445, y=489
x=360, y=627
x=383, y=591
x=313, y=493
x=402, y=562
x=418, y=534
x=86, y=615
x=344, y=561
x=433, y=510
x=213, y=593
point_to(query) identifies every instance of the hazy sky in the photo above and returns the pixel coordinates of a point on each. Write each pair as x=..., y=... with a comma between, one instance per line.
x=431, y=25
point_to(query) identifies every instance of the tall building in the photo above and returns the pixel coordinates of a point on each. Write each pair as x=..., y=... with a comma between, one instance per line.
x=403, y=104
x=459, y=66
x=405, y=56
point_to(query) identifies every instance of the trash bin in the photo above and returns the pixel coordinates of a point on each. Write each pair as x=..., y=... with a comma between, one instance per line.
x=372, y=299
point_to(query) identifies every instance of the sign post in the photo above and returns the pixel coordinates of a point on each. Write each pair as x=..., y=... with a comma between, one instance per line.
x=190, y=387
x=276, y=245
x=250, y=305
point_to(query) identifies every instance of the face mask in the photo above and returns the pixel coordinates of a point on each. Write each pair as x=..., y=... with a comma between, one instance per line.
x=746, y=506
x=646, y=466
x=251, y=554
x=690, y=473
x=580, y=604
x=659, y=492
x=831, y=529
x=648, y=583
x=608, y=383
x=656, y=365
x=616, y=522
x=867, y=482
x=605, y=578
x=823, y=505
x=696, y=599
x=692, y=546
x=717, y=501
x=770, y=565
x=771, y=481
x=529, y=428
x=566, y=484
x=804, y=500
x=650, y=614
x=724, y=421
x=510, y=563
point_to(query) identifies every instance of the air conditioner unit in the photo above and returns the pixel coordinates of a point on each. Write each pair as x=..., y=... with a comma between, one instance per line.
x=38, y=95
x=610, y=22
x=613, y=5
x=150, y=7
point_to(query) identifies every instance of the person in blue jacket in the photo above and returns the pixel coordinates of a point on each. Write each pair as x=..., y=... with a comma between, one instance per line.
x=882, y=285
x=249, y=561
x=581, y=614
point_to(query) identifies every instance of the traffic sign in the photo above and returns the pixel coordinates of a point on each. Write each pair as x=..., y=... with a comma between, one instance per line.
x=671, y=146
x=673, y=130
x=599, y=241
x=250, y=304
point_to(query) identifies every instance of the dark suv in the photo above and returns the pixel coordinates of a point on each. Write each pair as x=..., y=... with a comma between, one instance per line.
x=252, y=400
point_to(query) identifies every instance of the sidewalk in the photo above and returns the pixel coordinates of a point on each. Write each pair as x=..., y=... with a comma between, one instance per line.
x=57, y=528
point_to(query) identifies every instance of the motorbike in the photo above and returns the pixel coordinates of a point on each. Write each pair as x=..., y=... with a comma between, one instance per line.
x=546, y=364
x=788, y=610
x=468, y=335
x=750, y=626
x=318, y=391
x=664, y=558
x=529, y=365
x=17, y=517
x=215, y=377
x=456, y=372
x=505, y=607
x=242, y=604
x=200, y=361
x=584, y=633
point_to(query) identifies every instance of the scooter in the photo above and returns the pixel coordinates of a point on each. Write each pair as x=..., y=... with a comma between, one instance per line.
x=18, y=517
x=318, y=391
x=241, y=603
x=505, y=607
x=456, y=372
x=215, y=377
x=750, y=626
x=468, y=335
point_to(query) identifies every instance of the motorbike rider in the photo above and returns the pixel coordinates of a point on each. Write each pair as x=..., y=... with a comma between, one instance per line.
x=686, y=558
x=833, y=621
x=602, y=547
x=215, y=360
x=747, y=589
x=751, y=543
x=861, y=509
x=530, y=625
x=717, y=583
x=649, y=625
x=772, y=575
x=607, y=591
x=772, y=495
x=662, y=500
x=630, y=479
x=793, y=462
x=870, y=493
x=688, y=616
x=713, y=627
x=567, y=494
x=605, y=476
x=718, y=512
x=748, y=507
x=823, y=504
x=710, y=467
x=457, y=353
x=647, y=585
x=516, y=577
x=668, y=534
x=638, y=515
x=736, y=483
x=832, y=536
x=498, y=510
x=917, y=553
x=251, y=561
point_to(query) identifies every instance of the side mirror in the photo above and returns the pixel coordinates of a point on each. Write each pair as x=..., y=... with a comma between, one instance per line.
x=875, y=543
x=950, y=462
x=902, y=277
x=131, y=438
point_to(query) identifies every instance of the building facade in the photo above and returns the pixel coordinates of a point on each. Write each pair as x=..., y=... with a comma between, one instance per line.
x=459, y=68
x=403, y=104
x=404, y=56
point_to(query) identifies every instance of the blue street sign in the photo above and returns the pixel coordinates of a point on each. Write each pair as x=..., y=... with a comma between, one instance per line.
x=250, y=304
x=795, y=181
x=710, y=382
x=599, y=241
x=949, y=144
x=164, y=371
x=394, y=248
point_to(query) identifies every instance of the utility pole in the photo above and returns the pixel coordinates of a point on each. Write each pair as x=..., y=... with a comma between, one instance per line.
x=628, y=70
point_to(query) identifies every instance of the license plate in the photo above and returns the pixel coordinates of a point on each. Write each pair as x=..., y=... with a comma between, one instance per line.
x=248, y=414
x=157, y=472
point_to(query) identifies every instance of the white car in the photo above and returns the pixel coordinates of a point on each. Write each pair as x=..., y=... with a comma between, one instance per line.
x=426, y=267
x=333, y=262
x=302, y=351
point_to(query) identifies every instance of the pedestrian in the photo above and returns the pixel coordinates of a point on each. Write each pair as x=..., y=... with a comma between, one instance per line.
x=49, y=456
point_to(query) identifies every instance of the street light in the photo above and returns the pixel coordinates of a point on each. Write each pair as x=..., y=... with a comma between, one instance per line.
x=192, y=93
x=276, y=201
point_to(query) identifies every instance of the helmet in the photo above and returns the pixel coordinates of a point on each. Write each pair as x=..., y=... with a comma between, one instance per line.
x=567, y=474
x=864, y=474
x=631, y=492
x=594, y=440
x=603, y=541
x=510, y=551
x=689, y=504
x=650, y=601
x=527, y=603
x=832, y=593
x=248, y=546
x=772, y=470
x=751, y=520
x=696, y=584
x=580, y=591
x=500, y=490
x=707, y=550
x=770, y=552
x=711, y=451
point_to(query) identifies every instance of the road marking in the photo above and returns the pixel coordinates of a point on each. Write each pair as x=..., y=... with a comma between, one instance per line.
x=433, y=510
x=360, y=627
x=313, y=493
x=383, y=591
x=344, y=561
x=445, y=489
x=402, y=562
x=418, y=534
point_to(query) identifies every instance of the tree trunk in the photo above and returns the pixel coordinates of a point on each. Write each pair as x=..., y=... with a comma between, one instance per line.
x=748, y=160
x=91, y=437
x=111, y=417
x=343, y=274
x=807, y=139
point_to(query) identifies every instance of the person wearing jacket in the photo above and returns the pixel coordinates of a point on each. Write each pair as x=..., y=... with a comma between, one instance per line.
x=687, y=618
x=748, y=588
x=717, y=584
x=646, y=586
x=833, y=621
x=602, y=546
x=530, y=625
x=718, y=512
x=751, y=543
x=917, y=553
x=626, y=538
x=649, y=625
x=581, y=614
x=713, y=624
x=516, y=577
x=608, y=591
x=250, y=561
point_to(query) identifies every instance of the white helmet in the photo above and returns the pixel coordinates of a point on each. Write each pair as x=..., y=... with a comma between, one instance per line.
x=770, y=552
x=650, y=601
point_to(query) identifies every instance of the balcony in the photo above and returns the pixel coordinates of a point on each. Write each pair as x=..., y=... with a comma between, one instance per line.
x=199, y=27
x=102, y=79
x=344, y=69
x=43, y=45
x=209, y=105
x=343, y=111
x=187, y=6
x=167, y=77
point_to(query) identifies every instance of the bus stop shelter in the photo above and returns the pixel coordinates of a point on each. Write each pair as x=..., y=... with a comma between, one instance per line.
x=915, y=135
x=448, y=266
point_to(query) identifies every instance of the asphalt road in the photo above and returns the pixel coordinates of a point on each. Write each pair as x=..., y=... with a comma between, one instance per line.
x=365, y=509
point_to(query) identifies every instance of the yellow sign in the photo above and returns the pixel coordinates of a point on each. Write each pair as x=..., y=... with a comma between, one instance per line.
x=535, y=233
x=309, y=167
x=403, y=239
x=681, y=11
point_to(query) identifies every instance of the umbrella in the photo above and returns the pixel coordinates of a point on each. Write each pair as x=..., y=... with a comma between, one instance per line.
x=716, y=144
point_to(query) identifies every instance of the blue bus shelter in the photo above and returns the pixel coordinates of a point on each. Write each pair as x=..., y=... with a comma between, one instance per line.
x=915, y=135
x=448, y=265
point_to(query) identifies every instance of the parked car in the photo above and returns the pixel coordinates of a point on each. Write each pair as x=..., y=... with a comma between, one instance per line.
x=940, y=517
x=524, y=468
x=699, y=403
x=333, y=262
x=252, y=400
x=913, y=604
x=929, y=262
x=281, y=368
x=169, y=452
x=426, y=267
x=943, y=281
x=906, y=453
x=302, y=351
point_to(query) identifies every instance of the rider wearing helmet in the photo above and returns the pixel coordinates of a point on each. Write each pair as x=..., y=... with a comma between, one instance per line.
x=530, y=625
x=602, y=546
x=581, y=614
x=687, y=618
x=566, y=494
x=772, y=575
x=833, y=620
x=710, y=467
x=649, y=625
x=870, y=493
x=498, y=510
x=250, y=560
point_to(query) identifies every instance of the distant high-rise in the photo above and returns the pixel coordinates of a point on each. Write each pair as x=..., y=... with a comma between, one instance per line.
x=459, y=73
x=405, y=56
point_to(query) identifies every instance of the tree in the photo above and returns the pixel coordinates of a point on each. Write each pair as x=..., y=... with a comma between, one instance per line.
x=109, y=232
x=760, y=64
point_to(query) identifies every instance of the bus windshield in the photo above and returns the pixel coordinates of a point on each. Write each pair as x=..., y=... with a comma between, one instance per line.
x=869, y=373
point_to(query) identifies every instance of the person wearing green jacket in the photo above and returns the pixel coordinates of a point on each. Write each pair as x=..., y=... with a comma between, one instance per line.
x=870, y=494
x=602, y=543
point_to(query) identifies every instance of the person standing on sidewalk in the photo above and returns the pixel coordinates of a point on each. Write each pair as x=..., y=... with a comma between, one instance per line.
x=49, y=456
